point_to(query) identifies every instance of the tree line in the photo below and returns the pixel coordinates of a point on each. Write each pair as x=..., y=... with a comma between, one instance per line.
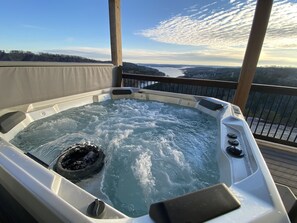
x=18, y=55
x=285, y=76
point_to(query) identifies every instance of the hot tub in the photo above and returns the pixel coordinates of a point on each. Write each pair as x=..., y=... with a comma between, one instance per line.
x=50, y=197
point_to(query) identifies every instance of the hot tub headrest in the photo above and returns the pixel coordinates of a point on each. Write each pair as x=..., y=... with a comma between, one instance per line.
x=122, y=92
x=210, y=105
x=10, y=120
x=196, y=207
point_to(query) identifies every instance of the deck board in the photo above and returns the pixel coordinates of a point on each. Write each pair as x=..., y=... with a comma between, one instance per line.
x=282, y=166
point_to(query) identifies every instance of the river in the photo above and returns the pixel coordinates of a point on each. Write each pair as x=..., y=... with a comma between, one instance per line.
x=170, y=71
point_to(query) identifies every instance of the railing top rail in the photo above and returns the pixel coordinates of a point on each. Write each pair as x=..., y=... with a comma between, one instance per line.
x=187, y=81
x=274, y=89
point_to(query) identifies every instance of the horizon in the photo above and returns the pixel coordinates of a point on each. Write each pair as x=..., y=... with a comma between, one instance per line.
x=149, y=64
x=163, y=33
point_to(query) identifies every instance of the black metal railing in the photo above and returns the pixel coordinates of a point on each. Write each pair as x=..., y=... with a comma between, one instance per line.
x=223, y=90
x=271, y=111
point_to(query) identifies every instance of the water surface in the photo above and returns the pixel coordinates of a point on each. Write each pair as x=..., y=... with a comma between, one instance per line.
x=154, y=151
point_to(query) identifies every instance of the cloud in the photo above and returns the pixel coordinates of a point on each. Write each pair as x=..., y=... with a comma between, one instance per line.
x=220, y=27
x=186, y=57
x=216, y=29
x=218, y=38
x=227, y=57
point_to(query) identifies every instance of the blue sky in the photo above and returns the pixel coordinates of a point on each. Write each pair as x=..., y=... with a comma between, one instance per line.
x=200, y=32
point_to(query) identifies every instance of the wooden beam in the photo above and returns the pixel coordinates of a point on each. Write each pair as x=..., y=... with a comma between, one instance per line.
x=116, y=37
x=252, y=52
x=115, y=31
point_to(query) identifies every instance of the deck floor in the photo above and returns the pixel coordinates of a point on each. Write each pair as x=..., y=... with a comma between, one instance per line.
x=282, y=166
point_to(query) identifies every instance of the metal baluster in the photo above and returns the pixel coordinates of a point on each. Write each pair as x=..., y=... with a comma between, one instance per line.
x=281, y=117
x=191, y=91
x=196, y=90
x=178, y=88
x=175, y=88
x=268, y=114
x=216, y=95
x=261, y=113
x=257, y=105
x=295, y=140
x=164, y=86
x=184, y=89
x=200, y=90
x=278, y=106
x=292, y=130
x=228, y=95
x=249, y=105
x=288, y=119
x=212, y=90
x=206, y=91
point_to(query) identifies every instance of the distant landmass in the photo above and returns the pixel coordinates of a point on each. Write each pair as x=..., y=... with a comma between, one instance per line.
x=178, y=66
x=285, y=76
x=18, y=55
x=132, y=68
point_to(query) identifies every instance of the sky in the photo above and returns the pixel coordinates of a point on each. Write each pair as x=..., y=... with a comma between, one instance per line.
x=193, y=32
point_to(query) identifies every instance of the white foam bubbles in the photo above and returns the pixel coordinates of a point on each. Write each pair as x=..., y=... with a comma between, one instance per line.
x=142, y=170
x=154, y=151
x=120, y=136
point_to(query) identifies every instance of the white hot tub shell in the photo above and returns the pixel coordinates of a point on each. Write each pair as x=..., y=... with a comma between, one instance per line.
x=50, y=197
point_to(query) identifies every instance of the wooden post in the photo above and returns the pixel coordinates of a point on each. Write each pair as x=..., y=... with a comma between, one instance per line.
x=116, y=37
x=252, y=52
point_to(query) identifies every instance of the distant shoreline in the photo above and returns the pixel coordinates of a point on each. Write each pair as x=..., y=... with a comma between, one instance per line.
x=273, y=75
x=170, y=71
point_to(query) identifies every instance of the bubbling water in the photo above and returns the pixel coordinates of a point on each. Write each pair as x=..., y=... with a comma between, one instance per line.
x=154, y=151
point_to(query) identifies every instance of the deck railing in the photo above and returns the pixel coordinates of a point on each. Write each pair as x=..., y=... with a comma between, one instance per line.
x=271, y=111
